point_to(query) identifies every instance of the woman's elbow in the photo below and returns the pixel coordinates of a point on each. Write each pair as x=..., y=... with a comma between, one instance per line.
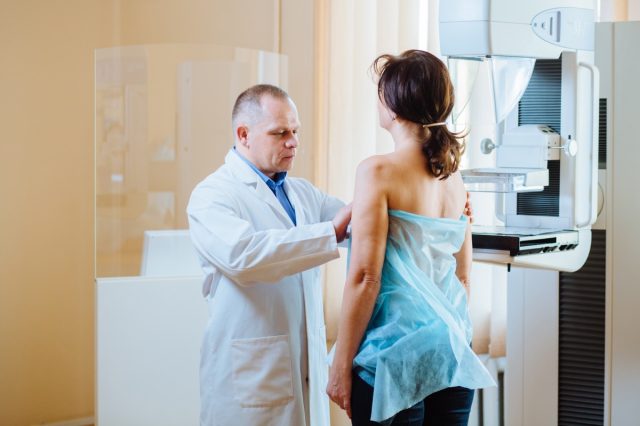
x=368, y=282
x=371, y=280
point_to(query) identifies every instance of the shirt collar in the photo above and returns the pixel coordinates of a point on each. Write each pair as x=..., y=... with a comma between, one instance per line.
x=277, y=180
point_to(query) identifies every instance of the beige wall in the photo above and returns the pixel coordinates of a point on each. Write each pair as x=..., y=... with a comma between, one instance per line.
x=46, y=170
x=46, y=227
x=284, y=26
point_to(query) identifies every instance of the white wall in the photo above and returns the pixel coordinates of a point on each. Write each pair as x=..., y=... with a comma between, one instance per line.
x=623, y=228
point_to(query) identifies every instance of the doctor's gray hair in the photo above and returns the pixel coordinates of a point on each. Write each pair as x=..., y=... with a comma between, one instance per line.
x=248, y=106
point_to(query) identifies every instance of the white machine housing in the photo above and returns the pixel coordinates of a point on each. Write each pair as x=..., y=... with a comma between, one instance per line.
x=547, y=31
x=530, y=29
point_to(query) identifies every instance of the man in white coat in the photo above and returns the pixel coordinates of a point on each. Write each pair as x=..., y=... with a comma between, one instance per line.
x=261, y=236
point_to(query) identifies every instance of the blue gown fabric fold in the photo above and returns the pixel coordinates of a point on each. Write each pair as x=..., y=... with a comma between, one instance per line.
x=418, y=339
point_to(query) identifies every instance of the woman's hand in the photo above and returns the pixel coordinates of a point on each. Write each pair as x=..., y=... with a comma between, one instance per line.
x=339, y=387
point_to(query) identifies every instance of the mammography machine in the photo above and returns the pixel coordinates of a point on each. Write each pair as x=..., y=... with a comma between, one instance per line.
x=527, y=91
x=539, y=135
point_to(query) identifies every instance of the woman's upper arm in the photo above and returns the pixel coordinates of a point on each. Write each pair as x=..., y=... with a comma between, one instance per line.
x=369, y=220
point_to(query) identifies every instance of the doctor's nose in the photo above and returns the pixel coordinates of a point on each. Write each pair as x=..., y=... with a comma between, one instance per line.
x=292, y=141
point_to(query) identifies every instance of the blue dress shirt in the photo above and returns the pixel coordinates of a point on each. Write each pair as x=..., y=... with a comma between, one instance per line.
x=276, y=186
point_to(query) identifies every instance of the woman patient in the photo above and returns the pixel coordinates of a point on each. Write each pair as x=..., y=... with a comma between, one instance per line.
x=403, y=352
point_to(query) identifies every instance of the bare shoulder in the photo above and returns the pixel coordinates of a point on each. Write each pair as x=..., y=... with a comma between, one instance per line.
x=373, y=175
x=456, y=181
x=456, y=188
x=376, y=162
x=375, y=167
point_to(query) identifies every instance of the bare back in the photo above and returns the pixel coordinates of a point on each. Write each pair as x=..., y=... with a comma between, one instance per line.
x=416, y=190
x=401, y=181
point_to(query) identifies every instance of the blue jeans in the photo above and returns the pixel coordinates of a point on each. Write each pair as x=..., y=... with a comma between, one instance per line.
x=448, y=407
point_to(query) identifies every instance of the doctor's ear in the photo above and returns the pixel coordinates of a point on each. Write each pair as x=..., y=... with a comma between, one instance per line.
x=242, y=133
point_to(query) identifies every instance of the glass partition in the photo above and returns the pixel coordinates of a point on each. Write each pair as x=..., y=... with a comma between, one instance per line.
x=162, y=124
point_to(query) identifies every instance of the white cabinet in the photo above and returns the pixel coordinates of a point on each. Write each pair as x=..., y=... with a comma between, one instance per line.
x=148, y=350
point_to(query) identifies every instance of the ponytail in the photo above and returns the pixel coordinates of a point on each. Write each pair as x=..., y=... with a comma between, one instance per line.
x=443, y=149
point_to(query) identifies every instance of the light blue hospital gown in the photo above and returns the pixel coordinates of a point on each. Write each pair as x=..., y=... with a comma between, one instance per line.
x=418, y=339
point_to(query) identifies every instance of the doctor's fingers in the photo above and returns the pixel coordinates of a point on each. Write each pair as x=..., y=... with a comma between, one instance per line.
x=470, y=216
x=468, y=208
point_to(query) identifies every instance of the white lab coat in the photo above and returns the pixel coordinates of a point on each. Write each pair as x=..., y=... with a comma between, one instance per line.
x=264, y=349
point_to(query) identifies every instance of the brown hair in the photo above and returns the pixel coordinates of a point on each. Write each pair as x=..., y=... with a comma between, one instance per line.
x=415, y=85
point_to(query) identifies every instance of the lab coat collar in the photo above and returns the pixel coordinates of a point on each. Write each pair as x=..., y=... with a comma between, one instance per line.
x=243, y=173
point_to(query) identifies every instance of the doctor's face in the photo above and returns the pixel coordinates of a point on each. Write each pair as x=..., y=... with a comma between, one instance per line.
x=271, y=141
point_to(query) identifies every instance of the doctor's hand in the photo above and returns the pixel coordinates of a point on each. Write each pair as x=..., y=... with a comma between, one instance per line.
x=339, y=387
x=468, y=210
x=341, y=222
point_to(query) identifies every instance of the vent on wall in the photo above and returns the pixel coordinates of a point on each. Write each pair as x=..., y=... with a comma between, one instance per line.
x=581, y=344
x=541, y=104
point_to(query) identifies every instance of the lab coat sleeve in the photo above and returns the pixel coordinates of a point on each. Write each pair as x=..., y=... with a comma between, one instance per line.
x=248, y=256
x=330, y=207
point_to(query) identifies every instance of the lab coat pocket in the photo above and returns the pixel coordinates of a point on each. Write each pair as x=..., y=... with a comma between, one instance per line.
x=262, y=375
